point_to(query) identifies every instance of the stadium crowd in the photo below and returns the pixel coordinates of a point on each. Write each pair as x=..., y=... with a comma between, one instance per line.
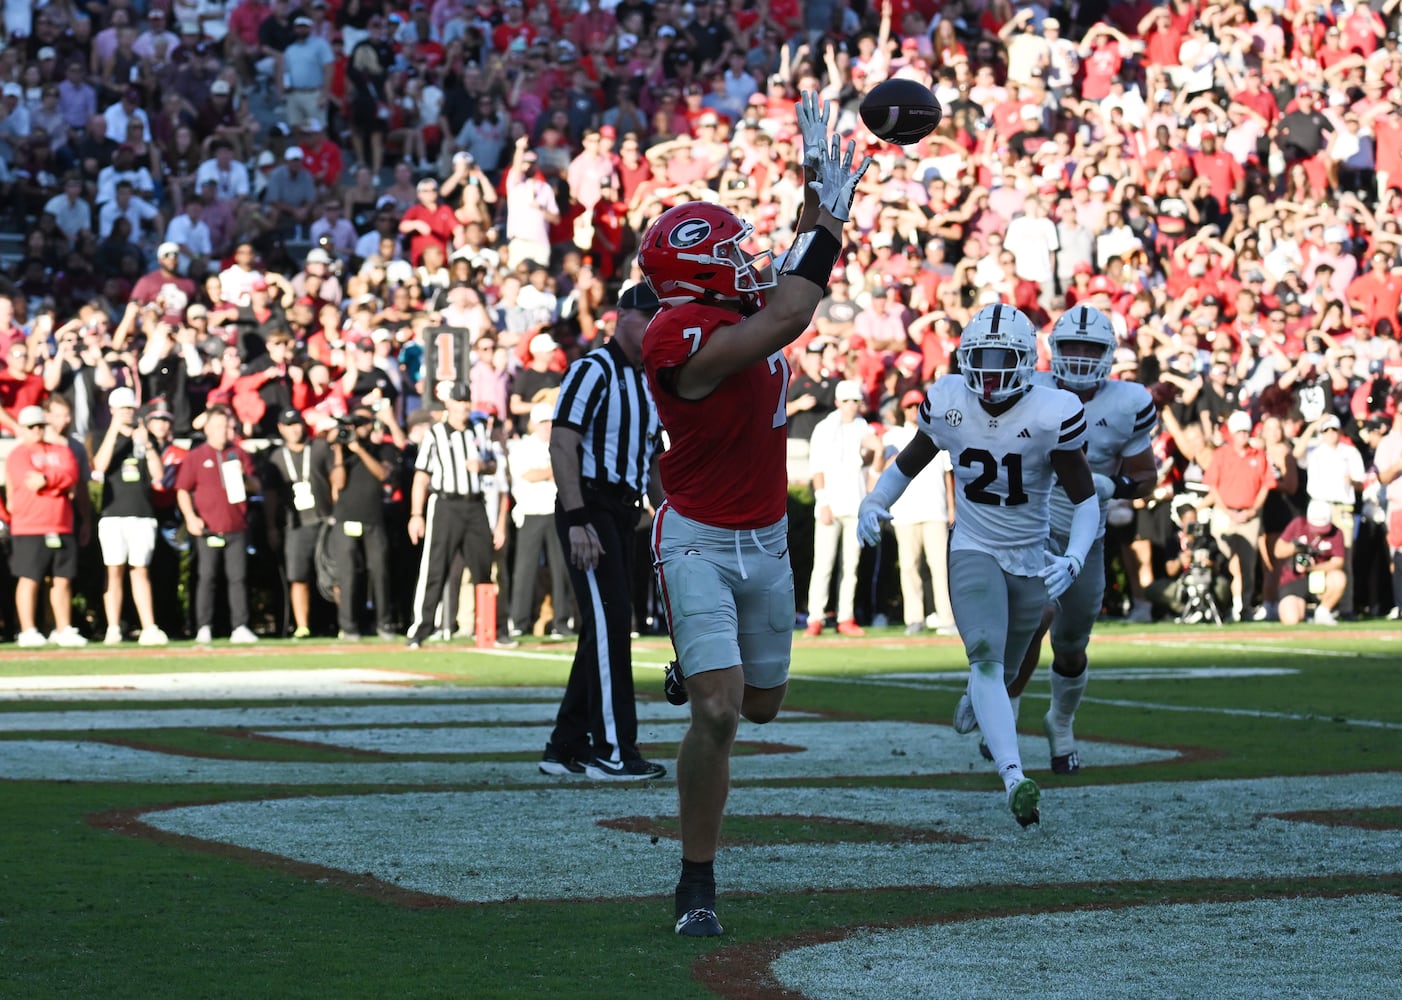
x=268, y=216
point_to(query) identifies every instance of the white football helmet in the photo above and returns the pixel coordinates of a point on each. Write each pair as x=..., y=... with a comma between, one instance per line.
x=1087, y=366
x=998, y=353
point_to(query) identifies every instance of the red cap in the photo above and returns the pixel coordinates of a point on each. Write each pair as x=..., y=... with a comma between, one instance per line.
x=609, y=131
x=1100, y=283
x=365, y=344
x=913, y=397
x=856, y=342
x=258, y=285
x=1082, y=267
x=909, y=360
x=909, y=45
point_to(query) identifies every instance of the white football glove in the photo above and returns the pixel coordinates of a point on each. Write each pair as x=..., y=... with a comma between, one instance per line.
x=813, y=114
x=1104, y=487
x=837, y=181
x=870, y=515
x=1060, y=573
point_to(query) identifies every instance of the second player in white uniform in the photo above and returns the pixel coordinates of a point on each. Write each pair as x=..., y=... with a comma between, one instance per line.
x=1120, y=419
x=1009, y=441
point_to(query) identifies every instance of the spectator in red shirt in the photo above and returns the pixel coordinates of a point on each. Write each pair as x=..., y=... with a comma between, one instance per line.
x=1239, y=479
x=320, y=156
x=212, y=489
x=165, y=286
x=428, y=222
x=19, y=387
x=1224, y=174
x=40, y=477
x=1378, y=291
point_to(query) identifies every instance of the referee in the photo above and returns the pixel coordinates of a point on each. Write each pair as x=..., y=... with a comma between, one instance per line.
x=601, y=449
x=447, y=512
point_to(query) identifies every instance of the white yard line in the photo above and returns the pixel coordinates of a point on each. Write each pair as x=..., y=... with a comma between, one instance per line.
x=1117, y=702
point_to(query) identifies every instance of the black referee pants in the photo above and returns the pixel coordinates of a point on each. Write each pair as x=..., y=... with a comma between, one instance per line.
x=598, y=717
x=452, y=525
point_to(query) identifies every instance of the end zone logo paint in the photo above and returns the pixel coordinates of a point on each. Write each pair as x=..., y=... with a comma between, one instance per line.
x=689, y=233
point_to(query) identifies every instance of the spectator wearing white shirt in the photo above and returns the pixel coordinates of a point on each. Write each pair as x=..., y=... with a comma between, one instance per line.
x=1336, y=473
x=121, y=114
x=229, y=174
x=138, y=211
x=189, y=231
x=530, y=208
x=236, y=281
x=15, y=123
x=838, y=458
x=921, y=519
x=533, y=510
x=70, y=209
x=123, y=168
x=1033, y=241
x=157, y=43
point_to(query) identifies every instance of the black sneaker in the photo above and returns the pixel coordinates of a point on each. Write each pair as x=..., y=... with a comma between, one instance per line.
x=1067, y=763
x=700, y=922
x=559, y=765
x=635, y=769
x=674, y=684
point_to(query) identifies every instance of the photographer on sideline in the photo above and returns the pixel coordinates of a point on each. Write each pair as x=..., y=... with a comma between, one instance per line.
x=1311, y=554
x=359, y=469
x=1194, y=573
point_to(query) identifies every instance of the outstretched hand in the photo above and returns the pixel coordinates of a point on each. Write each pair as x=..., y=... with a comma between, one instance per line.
x=837, y=180
x=813, y=126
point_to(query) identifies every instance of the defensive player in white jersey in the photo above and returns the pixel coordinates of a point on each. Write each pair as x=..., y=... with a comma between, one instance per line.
x=1007, y=440
x=1120, y=419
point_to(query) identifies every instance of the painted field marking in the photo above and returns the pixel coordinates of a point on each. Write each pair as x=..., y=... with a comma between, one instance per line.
x=1162, y=831
x=1251, y=647
x=1298, y=947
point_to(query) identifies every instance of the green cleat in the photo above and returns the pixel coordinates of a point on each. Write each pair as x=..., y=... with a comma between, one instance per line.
x=1023, y=798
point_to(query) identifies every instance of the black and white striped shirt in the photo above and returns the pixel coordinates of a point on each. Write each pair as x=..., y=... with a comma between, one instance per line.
x=444, y=455
x=606, y=400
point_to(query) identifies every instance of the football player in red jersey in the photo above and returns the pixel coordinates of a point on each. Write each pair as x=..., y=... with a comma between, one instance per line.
x=714, y=358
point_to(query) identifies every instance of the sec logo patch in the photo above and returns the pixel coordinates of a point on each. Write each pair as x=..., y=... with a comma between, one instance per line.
x=953, y=417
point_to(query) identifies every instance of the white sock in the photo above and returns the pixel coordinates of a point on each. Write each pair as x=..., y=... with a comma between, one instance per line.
x=1065, y=698
x=995, y=715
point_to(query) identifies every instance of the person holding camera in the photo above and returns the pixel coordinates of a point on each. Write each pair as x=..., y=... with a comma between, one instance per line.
x=1194, y=585
x=212, y=489
x=1311, y=553
x=128, y=463
x=1335, y=474
x=360, y=468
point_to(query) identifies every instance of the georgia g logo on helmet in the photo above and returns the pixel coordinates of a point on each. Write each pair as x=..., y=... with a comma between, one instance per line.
x=689, y=233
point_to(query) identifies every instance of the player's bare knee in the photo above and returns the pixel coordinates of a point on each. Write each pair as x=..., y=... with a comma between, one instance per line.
x=715, y=719
x=762, y=705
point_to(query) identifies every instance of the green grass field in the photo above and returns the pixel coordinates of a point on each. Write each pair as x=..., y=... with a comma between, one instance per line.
x=269, y=823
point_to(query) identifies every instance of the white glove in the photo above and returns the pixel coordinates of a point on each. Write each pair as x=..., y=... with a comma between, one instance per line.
x=1060, y=573
x=1104, y=487
x=813, y=126
x=837, y=181
x=870, y=515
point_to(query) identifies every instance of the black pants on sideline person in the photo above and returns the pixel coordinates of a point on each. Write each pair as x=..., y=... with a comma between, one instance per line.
x=362, y=565
x=538, y=532
x=453, y=524
x=230, y=559
x=602, y=673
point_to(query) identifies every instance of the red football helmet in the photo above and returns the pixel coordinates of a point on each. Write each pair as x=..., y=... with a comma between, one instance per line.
x=693, y=251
